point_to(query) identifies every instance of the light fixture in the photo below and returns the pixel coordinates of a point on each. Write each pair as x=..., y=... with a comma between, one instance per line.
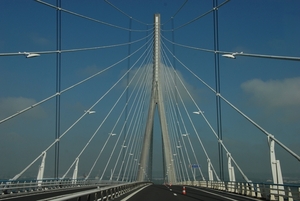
x=89, y=111
x=30, y=55
x=231, y=56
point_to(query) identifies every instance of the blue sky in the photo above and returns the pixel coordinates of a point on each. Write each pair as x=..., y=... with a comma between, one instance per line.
x=266, y=90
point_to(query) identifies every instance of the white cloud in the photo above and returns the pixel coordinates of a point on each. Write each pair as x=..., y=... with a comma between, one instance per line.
x=274, y=93
x=11, y=105
x=167, y=78
x=39, y=40
x=170, y=76
x=89, y=70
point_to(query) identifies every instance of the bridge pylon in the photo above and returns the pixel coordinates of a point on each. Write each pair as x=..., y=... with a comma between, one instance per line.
x=156, y=102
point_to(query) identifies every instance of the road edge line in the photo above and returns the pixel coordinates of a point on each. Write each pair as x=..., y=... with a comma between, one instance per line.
x=132, y=194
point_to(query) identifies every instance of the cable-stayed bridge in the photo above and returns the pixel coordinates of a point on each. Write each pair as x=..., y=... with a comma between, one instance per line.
x=97, y=103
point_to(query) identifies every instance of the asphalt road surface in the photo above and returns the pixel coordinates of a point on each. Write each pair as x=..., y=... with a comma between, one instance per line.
x=174, y=193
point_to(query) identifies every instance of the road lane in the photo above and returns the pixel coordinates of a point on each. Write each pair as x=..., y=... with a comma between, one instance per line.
x=155, y=192
x=223, y=195
x=174, y=193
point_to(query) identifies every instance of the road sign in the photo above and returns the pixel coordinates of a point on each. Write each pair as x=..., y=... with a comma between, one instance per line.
x=195, y=166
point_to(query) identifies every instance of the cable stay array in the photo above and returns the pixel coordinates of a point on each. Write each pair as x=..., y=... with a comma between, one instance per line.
x=224, y=99
x=123, y=145
x=209, y=124
x=111, y=133
x=113, y=107
x=235, y=108
x=85, y=113
x=185, y=133
x=172, y=82
x=172, y=108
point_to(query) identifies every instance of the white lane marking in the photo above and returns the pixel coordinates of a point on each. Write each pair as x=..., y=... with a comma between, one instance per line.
x=132, y=194
x=215, y=194
x=236, y=195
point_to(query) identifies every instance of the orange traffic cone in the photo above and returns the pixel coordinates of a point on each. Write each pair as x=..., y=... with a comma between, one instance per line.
x=183, y=190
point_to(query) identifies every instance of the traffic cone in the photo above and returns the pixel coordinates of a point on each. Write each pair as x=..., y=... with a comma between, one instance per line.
x=183, y=190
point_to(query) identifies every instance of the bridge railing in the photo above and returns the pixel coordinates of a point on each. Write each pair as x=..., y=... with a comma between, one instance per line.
x=10, y=187
x=259, y=190
x=104, y=193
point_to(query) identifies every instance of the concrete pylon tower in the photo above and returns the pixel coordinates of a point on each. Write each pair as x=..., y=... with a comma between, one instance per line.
x=156, y=100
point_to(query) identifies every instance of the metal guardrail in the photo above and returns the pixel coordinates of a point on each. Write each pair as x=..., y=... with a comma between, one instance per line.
x=13, y=187
x=100, y=194
x=257, y=190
